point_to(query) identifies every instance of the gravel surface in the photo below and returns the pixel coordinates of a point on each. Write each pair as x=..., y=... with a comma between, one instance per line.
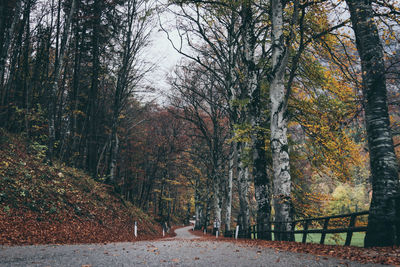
x=182, y=250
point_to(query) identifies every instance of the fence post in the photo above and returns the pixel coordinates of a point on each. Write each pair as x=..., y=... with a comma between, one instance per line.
x=350, y=230
x=135, y=229
x=326, y=223
x=293, y=229
x=268, y=230
x=237, y=232
x=306, y=222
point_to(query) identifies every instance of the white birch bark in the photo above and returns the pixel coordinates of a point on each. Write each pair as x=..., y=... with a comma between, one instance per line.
x=279, y=142
x=229, y=184
x=217, y=198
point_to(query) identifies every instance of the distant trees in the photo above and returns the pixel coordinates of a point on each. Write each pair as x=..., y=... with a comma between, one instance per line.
x=198, y=99
x=78, y=64
x=267, y=108
x=282, y=61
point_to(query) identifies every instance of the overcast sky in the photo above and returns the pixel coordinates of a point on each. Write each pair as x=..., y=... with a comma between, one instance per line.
x=164, y=56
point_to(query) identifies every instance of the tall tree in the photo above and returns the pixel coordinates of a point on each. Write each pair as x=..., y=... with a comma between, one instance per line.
x=56, y=76
x=92, y=145
x=201, y=103
x=279, y=120
x=7, y=34
x=130, y=73
x=217, y=25
x=253, y=84
x=382, y=222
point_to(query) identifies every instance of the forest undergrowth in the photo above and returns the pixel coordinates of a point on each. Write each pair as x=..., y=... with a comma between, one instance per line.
x=42, y=204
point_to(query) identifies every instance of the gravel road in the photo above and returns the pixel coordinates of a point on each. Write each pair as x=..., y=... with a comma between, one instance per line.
x=183, y=250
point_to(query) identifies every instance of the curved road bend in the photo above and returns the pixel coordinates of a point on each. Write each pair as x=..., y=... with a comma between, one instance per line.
x=182, y=250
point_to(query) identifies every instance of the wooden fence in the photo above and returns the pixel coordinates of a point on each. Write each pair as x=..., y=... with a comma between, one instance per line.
x=321, y=225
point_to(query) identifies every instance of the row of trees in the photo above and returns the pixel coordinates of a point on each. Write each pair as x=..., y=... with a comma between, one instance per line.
x=69, y=71
x=256, y=64
x=265, y=114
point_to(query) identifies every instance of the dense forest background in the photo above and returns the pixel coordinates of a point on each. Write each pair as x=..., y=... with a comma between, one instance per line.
x=272, y=113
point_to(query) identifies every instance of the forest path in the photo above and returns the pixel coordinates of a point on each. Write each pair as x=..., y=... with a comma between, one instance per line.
x=183, y=250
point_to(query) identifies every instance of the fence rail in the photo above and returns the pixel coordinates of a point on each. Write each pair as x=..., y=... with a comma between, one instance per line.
x=307, y=227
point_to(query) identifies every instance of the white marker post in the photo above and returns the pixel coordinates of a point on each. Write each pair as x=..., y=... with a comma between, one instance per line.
x=163, y=232
x=135, y=229
x=237, y=231
x=216, y=234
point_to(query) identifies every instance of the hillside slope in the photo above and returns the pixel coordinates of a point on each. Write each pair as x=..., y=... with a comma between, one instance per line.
x=41, y=204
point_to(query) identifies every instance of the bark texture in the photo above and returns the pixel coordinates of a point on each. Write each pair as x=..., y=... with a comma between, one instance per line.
x=384, y=170
x=229, y=184
x=259, y=168
x=279, y=142
x=243, y=188
x=217, y=198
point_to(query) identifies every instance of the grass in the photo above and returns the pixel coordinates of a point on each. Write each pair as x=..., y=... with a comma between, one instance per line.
x=333, y=239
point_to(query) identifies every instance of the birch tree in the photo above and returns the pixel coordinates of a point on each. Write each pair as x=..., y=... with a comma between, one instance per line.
x=279, y=141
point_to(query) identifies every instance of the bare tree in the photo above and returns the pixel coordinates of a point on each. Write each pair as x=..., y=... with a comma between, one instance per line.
x=55, y=77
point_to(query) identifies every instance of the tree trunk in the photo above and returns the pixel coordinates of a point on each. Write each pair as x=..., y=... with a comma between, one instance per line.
x=385, y=184
x=279, y=142
x=122, y=83
x=8, y=35
x=243, y=188
x=259, y=164
x=216, y=198
x=26, y=73
x=262, y=185
x=92, y=136
x=199, y=216
x=229, y=185
x=114, y=155
x=54, y=87
x=79, y=40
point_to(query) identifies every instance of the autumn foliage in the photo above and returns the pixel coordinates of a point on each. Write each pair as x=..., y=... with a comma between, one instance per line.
x=41, y=204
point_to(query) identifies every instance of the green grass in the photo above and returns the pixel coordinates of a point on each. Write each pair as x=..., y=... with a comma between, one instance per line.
x=332, y=239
